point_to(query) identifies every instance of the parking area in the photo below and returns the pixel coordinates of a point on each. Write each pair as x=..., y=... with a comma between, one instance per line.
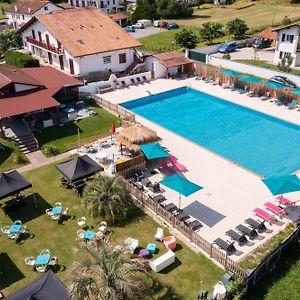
x=250, y=53
x=140, y=33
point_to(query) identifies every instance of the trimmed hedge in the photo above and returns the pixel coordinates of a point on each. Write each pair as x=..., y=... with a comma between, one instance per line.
x=20, y=60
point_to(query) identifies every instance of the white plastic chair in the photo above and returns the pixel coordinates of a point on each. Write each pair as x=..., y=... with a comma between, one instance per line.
x=81, y=221
x=12, y=236
x=53, y=261
x=65, y=212
x=45, y=251
x=48, y=211
x=102, y=226
x=5, y=229
x=58, y=204
x=18, y=222
x=159, y=234
x=29, y=261
x=80, y=233
x=55, y=217
x=41, y=269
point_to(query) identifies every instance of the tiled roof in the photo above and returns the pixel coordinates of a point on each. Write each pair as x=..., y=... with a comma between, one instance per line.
x=118, y=16
x=27, y=6
x=172, y=59
x=86, y=31
x=33, y=100
x=65, y=5
x=269, y=34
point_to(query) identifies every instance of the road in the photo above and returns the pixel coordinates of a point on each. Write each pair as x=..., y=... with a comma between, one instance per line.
x=140, y=33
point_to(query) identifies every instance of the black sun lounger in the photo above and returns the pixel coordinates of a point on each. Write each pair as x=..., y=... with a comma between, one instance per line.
x=240, y=238
x=159, y=198
x=194, y=225
x=228, y=247
x=259, y=226
x=138, y=79
x=182, y=215
x=132, y=81
x=247, y=231
x=170, y=207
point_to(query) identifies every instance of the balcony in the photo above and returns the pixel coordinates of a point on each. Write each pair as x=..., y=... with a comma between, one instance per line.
x=43, y=45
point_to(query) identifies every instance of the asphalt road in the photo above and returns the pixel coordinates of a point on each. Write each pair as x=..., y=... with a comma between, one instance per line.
x=139, y=33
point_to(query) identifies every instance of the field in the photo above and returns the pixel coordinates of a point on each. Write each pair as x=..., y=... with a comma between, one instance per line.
x=185, y=278
x=258, y=17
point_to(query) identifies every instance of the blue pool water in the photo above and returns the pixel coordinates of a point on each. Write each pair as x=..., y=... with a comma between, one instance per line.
x=263, y=144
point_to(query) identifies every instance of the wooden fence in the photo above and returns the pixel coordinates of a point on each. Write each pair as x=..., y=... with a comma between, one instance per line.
x=115, y=108
x=130, y=167
x=229, y=265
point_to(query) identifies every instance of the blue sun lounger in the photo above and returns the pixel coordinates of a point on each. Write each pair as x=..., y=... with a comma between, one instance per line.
x=292, y=104
x=280, y=101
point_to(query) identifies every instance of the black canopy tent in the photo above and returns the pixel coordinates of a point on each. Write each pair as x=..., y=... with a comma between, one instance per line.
x=78, y=168
x=12, y=183
x=47, y=287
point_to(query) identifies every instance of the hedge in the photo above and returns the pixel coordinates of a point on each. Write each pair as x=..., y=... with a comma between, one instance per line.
x=20, y=60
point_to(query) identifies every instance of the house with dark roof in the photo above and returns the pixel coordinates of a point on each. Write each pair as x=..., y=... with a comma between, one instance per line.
x=22, y=11
x=80, y=41
x=103, y=5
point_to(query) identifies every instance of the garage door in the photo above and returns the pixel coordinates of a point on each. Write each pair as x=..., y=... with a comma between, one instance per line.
x=197, y=56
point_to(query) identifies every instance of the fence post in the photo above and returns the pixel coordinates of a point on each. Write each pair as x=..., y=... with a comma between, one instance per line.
x=211, y=250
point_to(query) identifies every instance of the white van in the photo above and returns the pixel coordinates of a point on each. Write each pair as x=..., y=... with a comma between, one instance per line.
x=157, y=23
x=145, y=22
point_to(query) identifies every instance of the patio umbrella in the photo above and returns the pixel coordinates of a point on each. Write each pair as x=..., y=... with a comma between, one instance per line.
x=136, y=135
x=250, y=79
x=282, y=184
x=181, y=185
x=153, y=151
x=230, y=73
x=295, y=91
x=274, y=85
x=12, y=183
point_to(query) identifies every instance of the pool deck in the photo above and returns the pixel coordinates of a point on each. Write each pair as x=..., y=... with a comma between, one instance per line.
x=230, y=192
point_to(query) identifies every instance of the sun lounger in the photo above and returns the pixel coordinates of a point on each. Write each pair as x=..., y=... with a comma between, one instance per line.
x=228, y=247
x=265, y=96
x=274, y=208
x=250, y=232
x=259, y=226
x=240, y=238
x=292, y=104
x=182, y=215
x=253, y=93
x=243, y=90
x=159, y=198
x=285, y=201
x=131, y=244
x=208, y=79
x=166, y=166
x=263, y=214
x=178, y=165
x=170, y=207
x=234, y=87
x=280, y=101
x=194, y=225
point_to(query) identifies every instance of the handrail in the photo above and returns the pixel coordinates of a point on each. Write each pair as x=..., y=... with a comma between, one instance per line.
x=31, y=133
x=44, y=45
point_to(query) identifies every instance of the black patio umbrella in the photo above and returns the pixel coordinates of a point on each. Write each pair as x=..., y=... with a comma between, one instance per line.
x=12, y=183
x=47, y=287
x=78, y=168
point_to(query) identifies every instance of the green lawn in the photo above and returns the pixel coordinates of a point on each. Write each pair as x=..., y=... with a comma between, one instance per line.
x=190, y=273
x=9, y=155
x=66, y=137
x=264, y=64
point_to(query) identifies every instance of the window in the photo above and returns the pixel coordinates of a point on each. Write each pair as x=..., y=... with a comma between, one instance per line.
x=107, y=3
x=23, y=17
x=114, y=2
x=46, y=8
x=280, y=54
x=283, y=37
x=83, y=4
x=77, y=3
x=107, y=59
x=290, y=38
x=122, y=58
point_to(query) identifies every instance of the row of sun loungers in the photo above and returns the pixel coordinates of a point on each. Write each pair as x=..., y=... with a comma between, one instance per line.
x=136, y=80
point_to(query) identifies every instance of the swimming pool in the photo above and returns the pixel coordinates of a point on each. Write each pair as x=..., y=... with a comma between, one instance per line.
x=263, y=144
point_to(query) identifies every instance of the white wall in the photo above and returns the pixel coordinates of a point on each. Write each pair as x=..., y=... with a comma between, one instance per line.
x=153, y=64
x=108, y=5
x=24, y=87
x=249, y=69
x=287, y=46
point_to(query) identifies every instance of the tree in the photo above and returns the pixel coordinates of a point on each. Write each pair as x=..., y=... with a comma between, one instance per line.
x=173, y=9
x=108, y=197
x=144, y=10
x=210, y=31
x=10, y=39
x=286, y=21
x=105, y=273
x=186, y=39
x=285, y=62
x=237, y=28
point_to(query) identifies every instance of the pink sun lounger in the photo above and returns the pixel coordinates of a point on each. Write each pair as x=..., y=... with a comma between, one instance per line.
x=178, y=165
x=274, y=208
x=166, y=166
x=281, y=199
x=263, y=214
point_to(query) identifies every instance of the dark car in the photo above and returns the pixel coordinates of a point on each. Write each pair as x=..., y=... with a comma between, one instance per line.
x=261, y=43
x=172, y=26
x=228, y=47
x=284, y=80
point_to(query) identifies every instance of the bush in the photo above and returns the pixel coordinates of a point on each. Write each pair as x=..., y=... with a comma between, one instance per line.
x=173, y=9
x=20, y=159
x=237, y=28
x=51, y=150
x=144, y=11
x=186, y=39
x=20, y=60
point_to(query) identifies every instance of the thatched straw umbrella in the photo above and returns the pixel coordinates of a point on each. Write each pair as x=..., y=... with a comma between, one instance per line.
x=136, y=135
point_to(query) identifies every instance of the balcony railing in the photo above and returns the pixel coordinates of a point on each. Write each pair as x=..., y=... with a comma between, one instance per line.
x=45, y=46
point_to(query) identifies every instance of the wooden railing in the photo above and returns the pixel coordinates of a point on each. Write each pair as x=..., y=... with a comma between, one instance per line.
x=130, y=167
x=222, y=258
x=44, y=45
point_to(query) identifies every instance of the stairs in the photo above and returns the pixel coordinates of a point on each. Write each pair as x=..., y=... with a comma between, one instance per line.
x=27, y=143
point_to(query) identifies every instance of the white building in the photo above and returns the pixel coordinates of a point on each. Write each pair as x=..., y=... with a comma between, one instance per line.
x=288, y=41
x=81, y=42
x=23, y=10
x=105, y=5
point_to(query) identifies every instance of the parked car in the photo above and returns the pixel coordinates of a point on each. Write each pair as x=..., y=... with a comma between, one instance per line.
x=228, y=47
x=129, y=29
x=145, y=22
x=284, y=80
x=172, y=25
x=139, y=26
x=261, y=43
x=163, y=24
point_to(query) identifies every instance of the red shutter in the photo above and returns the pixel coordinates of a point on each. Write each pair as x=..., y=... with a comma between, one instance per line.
x=47, y=40
x=61, y=62
x=71, y=66
x=50, y=58
x=40, y=36
x=33, y=33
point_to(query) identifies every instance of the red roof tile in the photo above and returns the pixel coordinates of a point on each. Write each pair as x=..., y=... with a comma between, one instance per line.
x=268, y=34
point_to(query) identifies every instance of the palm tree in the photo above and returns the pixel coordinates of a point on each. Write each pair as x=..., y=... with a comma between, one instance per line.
x=108, y=197
x=105, y=273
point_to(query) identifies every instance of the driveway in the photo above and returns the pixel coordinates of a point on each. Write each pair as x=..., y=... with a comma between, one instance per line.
x=140, y=33
x=249, y=53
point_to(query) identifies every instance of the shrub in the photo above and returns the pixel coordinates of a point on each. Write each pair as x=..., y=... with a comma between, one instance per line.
x=237, y=28
x=20, y=159
x=186, y=38
x=20, y=60
x=51, y=150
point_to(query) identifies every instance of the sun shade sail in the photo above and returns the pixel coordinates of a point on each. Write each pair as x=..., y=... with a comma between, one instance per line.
x=181, y=185
x=11, y=183
x=153, y=151
x=78, y=168
x=282, y=184
x=250, y=79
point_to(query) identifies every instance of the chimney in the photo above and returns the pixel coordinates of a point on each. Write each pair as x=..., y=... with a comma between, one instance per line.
x=16, y=8
x=29, y=9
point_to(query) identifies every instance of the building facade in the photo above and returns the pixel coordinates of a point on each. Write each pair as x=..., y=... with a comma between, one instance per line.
x=107, y=6
x=288, y=41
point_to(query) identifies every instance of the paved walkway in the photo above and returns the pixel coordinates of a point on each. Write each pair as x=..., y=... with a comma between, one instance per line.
x=38, y=159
